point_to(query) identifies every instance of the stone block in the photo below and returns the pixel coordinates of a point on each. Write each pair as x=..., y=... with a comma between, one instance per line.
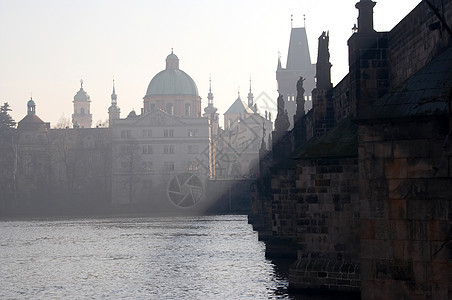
x=397, y=209
x=369, y=133
x=450, y=166
x=438, y=230
x=441, y=251
x=417, y=250
x=418, y=230
x=420, y=272
x=367, y=229
x=395, y=168
x=440, y=273
x=439, y=188
x=411, y=148
x=382, y=229
x=417, y=209
x=441, y=291
x=376, y=249
x=419, y=168
x=383, y=150
x=399, y=270
x=399, y=249
x=400, y=229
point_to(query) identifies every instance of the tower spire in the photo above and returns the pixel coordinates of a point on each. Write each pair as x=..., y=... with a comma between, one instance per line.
x=210, y=94
x=114, y=97
x=250, y=97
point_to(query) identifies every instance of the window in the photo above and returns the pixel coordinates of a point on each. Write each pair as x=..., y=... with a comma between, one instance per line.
x=168, y=149
x=148, y=165
x=168, y=132
x=125, y=134
x=147, y=132
x=169, y=165
x=192, y=132
x=147, y=149
x=82, y=111
x=193, y=149
x=152, y=107
x=192, y=166
x=187, y=109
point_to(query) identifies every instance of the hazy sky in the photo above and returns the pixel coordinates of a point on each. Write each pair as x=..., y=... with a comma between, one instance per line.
x=48, y=46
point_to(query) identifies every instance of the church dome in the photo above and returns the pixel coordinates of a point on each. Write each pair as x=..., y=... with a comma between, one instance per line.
x=81, y=94
x=172, y=80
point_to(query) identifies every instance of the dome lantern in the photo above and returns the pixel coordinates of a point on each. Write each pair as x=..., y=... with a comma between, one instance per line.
x=172, y=61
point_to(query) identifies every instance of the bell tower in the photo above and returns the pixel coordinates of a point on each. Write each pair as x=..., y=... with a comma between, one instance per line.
x=113, y=111
x=82, y=116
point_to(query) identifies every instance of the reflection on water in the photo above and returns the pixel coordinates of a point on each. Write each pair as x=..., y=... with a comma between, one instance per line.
x=215, y=257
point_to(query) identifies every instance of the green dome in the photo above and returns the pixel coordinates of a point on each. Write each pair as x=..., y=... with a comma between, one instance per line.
x=172, y=80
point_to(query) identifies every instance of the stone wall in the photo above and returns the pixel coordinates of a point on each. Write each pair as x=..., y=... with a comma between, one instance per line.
x=327, y=224
x=406, y=208
x=413, y=43
x=341, y=99
x=284, y=235
x=368, y=66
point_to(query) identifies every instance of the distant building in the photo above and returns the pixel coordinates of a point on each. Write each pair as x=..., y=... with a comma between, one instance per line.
x=164, y=157
x=168, y=141
x=52, y=167
x=240, y=141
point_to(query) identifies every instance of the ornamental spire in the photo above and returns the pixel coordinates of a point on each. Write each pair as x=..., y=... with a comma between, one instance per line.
x=210, y=94
x=114, y=97
x=250, y=97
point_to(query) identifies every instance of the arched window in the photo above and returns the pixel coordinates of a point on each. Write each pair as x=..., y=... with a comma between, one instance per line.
x=82, y=111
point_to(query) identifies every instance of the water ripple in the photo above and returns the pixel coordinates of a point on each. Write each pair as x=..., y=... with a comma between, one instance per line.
x=214, y=257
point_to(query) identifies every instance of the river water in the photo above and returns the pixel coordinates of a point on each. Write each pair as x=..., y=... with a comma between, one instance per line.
x=209, y=257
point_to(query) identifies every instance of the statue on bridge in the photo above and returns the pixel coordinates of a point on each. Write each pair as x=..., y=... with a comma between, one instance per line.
x=282, y=118
x=300, y=97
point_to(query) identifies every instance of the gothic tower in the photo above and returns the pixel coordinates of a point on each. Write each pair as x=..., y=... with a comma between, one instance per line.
x=82, y=116
x=298, y=64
